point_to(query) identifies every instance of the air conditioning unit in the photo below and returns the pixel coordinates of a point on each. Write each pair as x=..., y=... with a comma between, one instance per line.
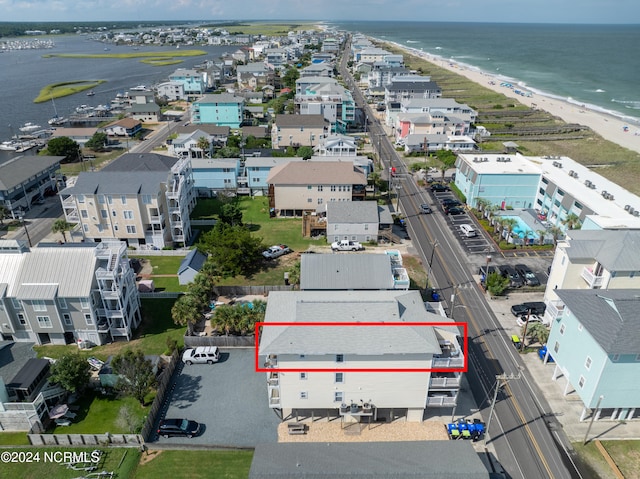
x=559, y=165
x=626, y=207
x=631, y=210
x=636, y=213
x=575, y=174
x=611, y=197
x=571, y=173
x=587, y=183
x=592, y=186
x=604, y=193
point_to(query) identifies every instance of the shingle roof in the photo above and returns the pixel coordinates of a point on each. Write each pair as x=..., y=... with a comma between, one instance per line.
x=194, y=260
x=117, y=183
x=616, y=250
x=141, y=162
x=371, y=460
x=345, y=272
x=318, y=173
x=310, y=121
x=21, y=168
x=610, y=316
x=352, y=212
x=348, y=306
x=222, y=98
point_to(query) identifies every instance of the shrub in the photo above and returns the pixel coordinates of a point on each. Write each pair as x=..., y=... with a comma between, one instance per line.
x=504, y=245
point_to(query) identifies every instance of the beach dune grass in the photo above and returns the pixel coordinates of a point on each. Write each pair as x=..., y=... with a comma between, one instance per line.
x=160, y=62
x=58, y=90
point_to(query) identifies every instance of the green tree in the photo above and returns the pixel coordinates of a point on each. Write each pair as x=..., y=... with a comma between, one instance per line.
x=204, y=144
x=3, y=213
x=446, y=161
x=71, y=372
x=536, y=332
x=572, y=221
x=97, y=142
x=557, y=233
x=294, y=273
x=60, y=226
x=232, y=249
x=136, y=374
x=227, y=152
x=305, y=152
x=186, y=311
x=497, y=284
x=231, y=214
x=290, y=77
x=64, y=146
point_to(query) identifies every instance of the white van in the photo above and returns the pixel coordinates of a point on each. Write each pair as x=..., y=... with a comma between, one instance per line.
x=201, y=355
x=468, y=230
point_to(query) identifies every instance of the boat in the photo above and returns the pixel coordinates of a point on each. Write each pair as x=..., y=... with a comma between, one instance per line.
x=30, y=127
x=139, y=88
x=57, y=120
x=9, y=145
x=91, y=93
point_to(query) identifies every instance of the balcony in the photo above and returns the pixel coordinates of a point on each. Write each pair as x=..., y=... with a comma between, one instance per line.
x=555, y=309
x=448, y=362
x=441, y=400
x=271, y=361
x=274, y=398
x=158, y=219
x=444, y=383
x=273, y=379
x=592, y=280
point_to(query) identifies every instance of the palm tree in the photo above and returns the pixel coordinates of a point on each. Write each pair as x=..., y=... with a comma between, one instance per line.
x=186, y=311
x=482, y=204
x=60, y=226
x=556, y=233
x=541, y=234
x=204, y=145
x=3, y=213
x=508, y=224
x=572, y=222
x=536, y=332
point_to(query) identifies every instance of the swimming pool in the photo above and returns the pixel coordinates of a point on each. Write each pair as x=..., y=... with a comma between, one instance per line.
x=522, y=228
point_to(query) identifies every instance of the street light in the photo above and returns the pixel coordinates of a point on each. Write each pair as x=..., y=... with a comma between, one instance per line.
x=433, y=250
x=24, y=224
x=486, y=269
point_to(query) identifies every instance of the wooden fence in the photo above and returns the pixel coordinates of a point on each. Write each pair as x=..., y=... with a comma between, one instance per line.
x=106, y=439
x=249, y=290
x=161, y=394
x=221, y=341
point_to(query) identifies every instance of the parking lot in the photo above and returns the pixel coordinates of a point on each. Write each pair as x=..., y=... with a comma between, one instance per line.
x=228, y=398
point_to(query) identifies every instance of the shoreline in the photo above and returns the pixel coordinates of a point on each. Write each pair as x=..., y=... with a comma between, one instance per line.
x=607, y=125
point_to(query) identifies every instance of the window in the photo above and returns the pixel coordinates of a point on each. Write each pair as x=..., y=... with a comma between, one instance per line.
x=38, y=305
x=128, y=214
x=227, y=181
x=339, y=358
x=556, y=347
x=309, y=187
x=320, y=201
x=114, y=213
x=309, y=200
x=84, y=303
x=17, y=304
x=562, y=328
x=44, y=321
x=333, y=187
x=115, y=227
x=587, y=363
x=303, y=395
x=66, y=317
x=85, y=228
x=581, y=382
x=110, y=199
x=80, y=198
x=319, y=187
x=131, y=229
x=615, y=357
x=366, y=226
x=84, y=213
x=123, y=199
x=338, y=396
x=579, y=326
x=303, y=376
x=88, y=318
x=104, y=214
x=339, y=378
x=21, y=319
x=101, y=199
x=146, y=199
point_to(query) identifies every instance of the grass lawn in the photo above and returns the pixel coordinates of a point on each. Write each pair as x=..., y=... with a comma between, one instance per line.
x=119, y=460
x=162, y=264
x=194, y=464
x=74, y=169
x=14, y=439
x=151, y=337
x=99, y=414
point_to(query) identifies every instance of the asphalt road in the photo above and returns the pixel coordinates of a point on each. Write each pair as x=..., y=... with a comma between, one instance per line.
x=527, y=439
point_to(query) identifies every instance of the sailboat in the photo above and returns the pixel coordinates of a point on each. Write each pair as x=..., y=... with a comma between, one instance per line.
x=91, y=93
x=56, y=120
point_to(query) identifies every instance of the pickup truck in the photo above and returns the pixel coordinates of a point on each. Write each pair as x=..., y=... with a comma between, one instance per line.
x=345, y=245
x=276, y=251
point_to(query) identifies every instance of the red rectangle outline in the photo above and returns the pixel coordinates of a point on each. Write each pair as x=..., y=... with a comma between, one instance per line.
x=464, y=368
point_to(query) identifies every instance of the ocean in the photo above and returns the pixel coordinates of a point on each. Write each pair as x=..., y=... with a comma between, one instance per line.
x=592, y=65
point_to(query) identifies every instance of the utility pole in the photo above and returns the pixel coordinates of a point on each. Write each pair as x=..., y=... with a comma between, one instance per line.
x=593, y=416
x=501, y=380
x=524, y=333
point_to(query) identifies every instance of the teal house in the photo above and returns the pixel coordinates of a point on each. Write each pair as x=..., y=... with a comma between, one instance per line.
x=595, y=343
x=222, y=110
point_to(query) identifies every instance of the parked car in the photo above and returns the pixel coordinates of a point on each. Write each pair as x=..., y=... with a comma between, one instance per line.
x=468, y=230
x=425, y=209
x=450, y=202
x=454, y=210
x=521, y=320
x=482, y=270
x=201, y=355
x=345, y=245
x=514, y=277
x=178, y=427
x=276, y=251
x=439, y=187
x=528, y=276
x=536, y=307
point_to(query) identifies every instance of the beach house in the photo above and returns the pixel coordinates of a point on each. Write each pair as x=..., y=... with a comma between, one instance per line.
x=224, y=109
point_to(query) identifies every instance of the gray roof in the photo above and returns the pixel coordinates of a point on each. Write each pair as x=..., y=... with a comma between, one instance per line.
x=348, y=306
x=117, y=183
x=385, y=215
x=345, y=272
x=415, y=86
x=71, y=270
x=294, y=121
x=141, y=162
x=21, y=168
x=616, y=250
x=610, y=316
x=352, y=212
x=371, y=460
x=28, y=373
x=144, y=108
x=194, y=260
x=221, y=98
x=13, y=356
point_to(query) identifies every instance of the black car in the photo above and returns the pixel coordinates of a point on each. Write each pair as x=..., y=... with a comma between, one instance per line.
x=482, y=270
x=178, y=427
x=454, y=210
x=527, y=275
x=514, y=278
x=450, y=201
x=439, y=187
x=536, y=307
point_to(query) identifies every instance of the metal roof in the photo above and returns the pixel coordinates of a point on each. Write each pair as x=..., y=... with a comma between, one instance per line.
x=348, y=306
x=19, y=169
x=141, y=162
x=610, y=316
x=371, y=460
x=117, y=183
x=36, y=291
x=345, y=272
x=616, y=250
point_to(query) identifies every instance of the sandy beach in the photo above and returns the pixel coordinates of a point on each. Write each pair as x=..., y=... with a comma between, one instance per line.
x=607, y=126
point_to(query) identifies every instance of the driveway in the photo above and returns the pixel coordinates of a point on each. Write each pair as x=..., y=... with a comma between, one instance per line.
x=228, y=398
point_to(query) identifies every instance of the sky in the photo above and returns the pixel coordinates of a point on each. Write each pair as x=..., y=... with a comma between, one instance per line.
x=508, y=11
